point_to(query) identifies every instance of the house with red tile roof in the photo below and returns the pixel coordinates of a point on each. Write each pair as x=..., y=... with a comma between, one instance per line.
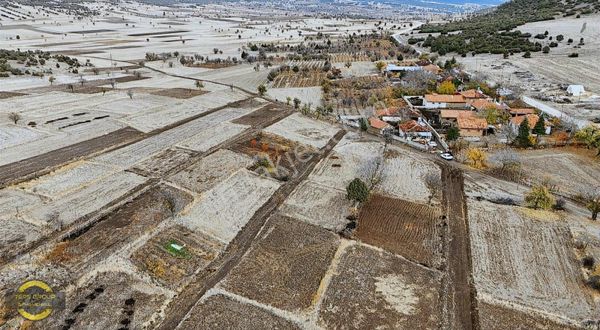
x=438, y=101
x=412, y=129
x=473, y=94
x=471, y=126
x=514, y=112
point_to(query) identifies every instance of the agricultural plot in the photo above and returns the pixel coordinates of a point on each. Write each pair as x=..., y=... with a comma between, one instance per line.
x=221, y=312
x=408, y=229
x=374, y=289
x=213, y=136
x=175, y=254
x=85, y=201
x=408, y=178
x=496, y=317
x=124, y=300
x=318, y=205
x=179, y=93
x=16, y=234
x=164, y=162
x=350, y=159
x=225, y=209
x=285, y=267
x=570, y=171
x=526, y=262
x=133, y=220
x=68, y=179
x=303, y=130
x=299, y=80
x=261, y=116
x=306, y=95
x=14, y=135
x=14, y=201
x=210, y=170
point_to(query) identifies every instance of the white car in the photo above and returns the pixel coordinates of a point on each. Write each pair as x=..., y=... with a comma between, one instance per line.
x=432, y=144
x=447, y=156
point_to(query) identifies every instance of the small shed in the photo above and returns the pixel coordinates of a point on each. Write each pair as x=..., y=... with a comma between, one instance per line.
x=575, y=90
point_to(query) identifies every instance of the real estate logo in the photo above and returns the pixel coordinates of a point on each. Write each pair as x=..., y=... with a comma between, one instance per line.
x=35, y=300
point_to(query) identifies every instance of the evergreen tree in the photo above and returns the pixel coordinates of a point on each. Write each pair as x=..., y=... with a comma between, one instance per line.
x=523, y=137
x=539, y=127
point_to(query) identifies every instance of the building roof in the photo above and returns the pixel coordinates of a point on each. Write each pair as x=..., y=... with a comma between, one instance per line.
x=432, y=68
x=473, y=94
x=441, y=98
x=394, y=67
x=482, y=104
x=533, y=119
x=391, y=111
x=472, y=123
x=378, y=124
x=454, y=114
x=522, y=111
x=412, y=126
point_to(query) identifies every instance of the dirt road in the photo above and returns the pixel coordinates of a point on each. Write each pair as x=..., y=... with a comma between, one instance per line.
x=220, y=267
x=460, y=296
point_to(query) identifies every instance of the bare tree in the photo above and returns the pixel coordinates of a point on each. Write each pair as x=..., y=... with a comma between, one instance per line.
x=591, y=198
x=433, y=182
x=51, y=79
x=14, y=117
x=130, y=94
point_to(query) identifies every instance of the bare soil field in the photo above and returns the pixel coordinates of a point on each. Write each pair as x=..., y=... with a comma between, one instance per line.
x=214, y=215
x=7, y=95
x=180, y=93
x=304, y=130
x=260, y=117
x=496, y=317
x=112, y=231
x=108, y=300
x=411, y=230
x=164, y=162
x=173, y=267
x=377, y=290
x=285, y=266
x=14, y=172
x=526, y=262
x=318, y=205
x=210, y=170
x=569, y=171
x=222, y=312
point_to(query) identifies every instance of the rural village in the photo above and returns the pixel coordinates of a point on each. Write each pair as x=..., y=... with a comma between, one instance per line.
x=220, y=166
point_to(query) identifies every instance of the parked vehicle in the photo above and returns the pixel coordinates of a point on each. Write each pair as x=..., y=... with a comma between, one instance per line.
x=447, y=156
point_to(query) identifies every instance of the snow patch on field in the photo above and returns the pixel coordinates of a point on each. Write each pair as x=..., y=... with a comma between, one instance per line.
x=213, y=136
x=397, y=293
x=15, y=135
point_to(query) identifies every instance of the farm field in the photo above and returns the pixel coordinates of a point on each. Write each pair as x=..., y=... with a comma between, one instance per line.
x=527, y=262
x=306, y=131
x=411, y=230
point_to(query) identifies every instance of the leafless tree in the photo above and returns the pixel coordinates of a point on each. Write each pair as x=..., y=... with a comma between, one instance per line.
x=130, y=94
x=433, y=182
x=14, y=117
x=591, y=198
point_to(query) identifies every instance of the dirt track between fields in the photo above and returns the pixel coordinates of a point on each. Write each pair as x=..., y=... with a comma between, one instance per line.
x=220, y=267
x=460, y=304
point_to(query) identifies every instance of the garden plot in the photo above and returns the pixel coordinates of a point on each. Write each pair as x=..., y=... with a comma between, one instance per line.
x=87, y=200
x=14, y=201
x=68, y=179
x=318, y=205
x=135, y=219
x=526, y=262
x=225, y=209
x=221, y=312
x=175, y=254
x=110, y=299
x=408, y=229
x=15, y=135
x=210, y=170
x=285, y=266
x=374, y=289
x=124, y=105
x=350, y=159
x=213, y=136
x=164, y=162
x=304, y=130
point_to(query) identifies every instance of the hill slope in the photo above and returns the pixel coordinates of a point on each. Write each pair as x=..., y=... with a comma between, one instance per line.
x=491, y=32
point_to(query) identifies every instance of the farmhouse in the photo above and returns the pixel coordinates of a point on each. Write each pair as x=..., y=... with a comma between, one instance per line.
x=482, y=104
x=471, y=126
x=413, y=129
x=379, y=124
x=437, y=101
x=451, y=116
x=515, y=122
x=515, y=112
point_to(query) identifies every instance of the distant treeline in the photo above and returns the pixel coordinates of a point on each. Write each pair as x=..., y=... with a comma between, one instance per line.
x=491, y=32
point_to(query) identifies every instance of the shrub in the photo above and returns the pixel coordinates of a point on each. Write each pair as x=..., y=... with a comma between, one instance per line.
x=588, y=262
x=357, y=191
x=539, y=197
